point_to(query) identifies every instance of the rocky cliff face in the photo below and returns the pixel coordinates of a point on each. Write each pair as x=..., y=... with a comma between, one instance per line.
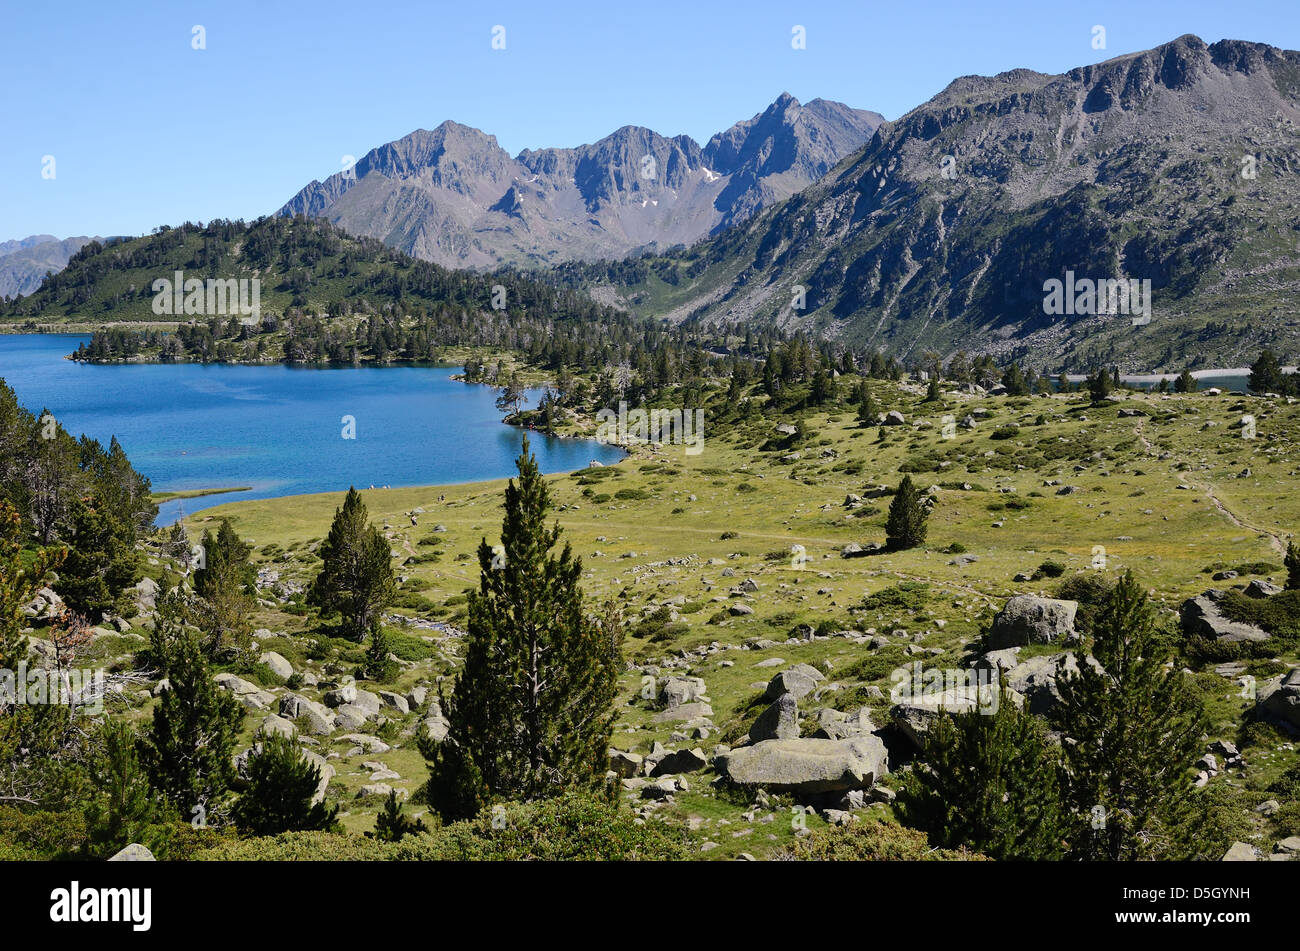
x=1179, y=166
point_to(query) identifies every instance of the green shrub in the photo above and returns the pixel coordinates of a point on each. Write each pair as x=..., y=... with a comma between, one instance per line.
x=904, y=596
x=1279, y=615
x=41, y=835
x=1050, y=569
x=874, y=840
x=570, y=828
x=1089, y=588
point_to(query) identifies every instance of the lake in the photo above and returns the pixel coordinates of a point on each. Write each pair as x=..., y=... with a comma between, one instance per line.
x=279, y=429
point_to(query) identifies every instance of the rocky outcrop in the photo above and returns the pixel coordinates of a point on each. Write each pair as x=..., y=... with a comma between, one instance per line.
x=799, y=681
x=1202, y=616
x=1279, y=699
x=1030, y=619
x=780, y=721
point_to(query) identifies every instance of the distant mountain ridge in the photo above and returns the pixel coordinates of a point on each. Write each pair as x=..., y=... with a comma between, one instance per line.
x=1178, y=165
x=454, y=196
x=25, y=261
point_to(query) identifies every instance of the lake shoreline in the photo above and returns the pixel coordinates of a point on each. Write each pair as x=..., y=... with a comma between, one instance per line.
x=278, y=431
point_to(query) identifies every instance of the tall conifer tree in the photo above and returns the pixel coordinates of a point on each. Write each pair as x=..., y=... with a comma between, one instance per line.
x=1132, y=732
x=356, y=579
x=531, y=714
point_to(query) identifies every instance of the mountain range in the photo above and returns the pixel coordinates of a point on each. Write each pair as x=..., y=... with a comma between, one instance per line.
x=455, y=197
x=1179, y=165
x=25, y=261
x=1177, y=168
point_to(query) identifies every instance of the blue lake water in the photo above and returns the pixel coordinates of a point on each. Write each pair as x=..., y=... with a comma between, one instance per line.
x=279, y=429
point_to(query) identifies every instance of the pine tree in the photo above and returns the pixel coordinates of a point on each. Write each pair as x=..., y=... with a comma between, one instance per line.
x=356, y=579
x=1099, y=386
x=19, y=582
x=187, y=750
x=1132, y=733
x=906, y=526
x=379, y=667
x=225, y=582
x=823, y=388
x=531, y=713
x=932, y=392
x=987, y=781
x=177, y=545
x=101, y=563
x=1185, y=383
x=512, y=394
x=281, y=786
x=36, y=740
x=1266, y=375
x=1014, y=381
x=1292, y=563
x=391, y=824
x=868, y=412
x=124, y=805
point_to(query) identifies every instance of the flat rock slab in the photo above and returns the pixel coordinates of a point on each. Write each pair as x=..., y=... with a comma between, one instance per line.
x=807, y=766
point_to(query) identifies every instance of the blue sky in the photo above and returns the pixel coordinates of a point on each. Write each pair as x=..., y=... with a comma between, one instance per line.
x=146, y=130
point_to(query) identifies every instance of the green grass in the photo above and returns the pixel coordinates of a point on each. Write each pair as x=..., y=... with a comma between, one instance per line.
x=747, y=507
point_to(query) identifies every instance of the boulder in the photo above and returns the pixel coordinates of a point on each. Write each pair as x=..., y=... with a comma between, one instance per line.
x=1004, y=659
x=1259, y=588
x=661, y=788
x=799, y=681
x=687, y=711
x=436, y=728
x=893, y=418
x=807, y=766
x=834, y=725
x=1035, y=679
x=320, y=722
x=236, y=685
x=250, y=695
x=624, y=764
x=350, y=717
x=135, y=852
x=279, y=666
x=340, y=695
x=416, y=697
x=1279, y=698
x=276, y=724
x=1201, y=616
x=681, y=761
x=394, y=700
x=371, y=744
x=1240, y=852
x=1030, y=619
x=146, y=594
x=374, y=791
x=740, y=610
x=677, y=691
x=780, y=721
x=914, y=717
x=326, y=774
x=368, y=702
